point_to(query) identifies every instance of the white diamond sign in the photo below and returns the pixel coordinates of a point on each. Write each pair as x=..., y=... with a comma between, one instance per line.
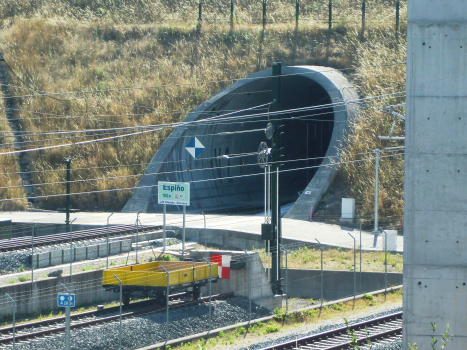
x=194, y=147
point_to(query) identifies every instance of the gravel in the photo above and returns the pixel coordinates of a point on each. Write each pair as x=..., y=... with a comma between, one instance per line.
x=326, y=326
x=146, y=330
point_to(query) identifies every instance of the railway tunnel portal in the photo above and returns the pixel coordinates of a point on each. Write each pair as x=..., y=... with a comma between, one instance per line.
x=226, y=131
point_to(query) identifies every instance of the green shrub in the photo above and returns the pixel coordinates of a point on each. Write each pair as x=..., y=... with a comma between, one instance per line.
x=271, y=328
x=337, y=306
x=278, y=314
x=367, y=297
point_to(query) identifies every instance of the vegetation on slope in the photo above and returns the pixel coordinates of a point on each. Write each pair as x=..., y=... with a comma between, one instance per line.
x=170, y=65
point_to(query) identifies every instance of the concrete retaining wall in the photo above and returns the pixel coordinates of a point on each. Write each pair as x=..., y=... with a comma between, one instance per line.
x=41, y=296
x=226, y=238
x=337, y=284
x=58, y=257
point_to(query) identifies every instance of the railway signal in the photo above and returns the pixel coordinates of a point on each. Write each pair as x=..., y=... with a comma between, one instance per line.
x=275, y=130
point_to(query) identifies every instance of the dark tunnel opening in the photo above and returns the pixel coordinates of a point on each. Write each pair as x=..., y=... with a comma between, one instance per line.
x=230, y=154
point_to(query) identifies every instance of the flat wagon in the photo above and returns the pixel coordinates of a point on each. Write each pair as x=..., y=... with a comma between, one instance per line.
x=150, y=279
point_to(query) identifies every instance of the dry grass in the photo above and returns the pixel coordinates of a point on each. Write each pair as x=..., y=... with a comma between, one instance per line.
x=339, y=259
x=377, y=74
x=74, y=45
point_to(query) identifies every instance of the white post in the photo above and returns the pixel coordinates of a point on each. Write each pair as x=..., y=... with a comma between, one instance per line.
x=108, y=249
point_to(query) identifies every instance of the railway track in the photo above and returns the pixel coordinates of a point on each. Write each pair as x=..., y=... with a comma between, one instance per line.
x=382, y=329
x=26, y=242
x=47, y=327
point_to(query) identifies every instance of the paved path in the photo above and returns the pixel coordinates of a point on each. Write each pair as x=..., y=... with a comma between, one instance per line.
x=293, y=229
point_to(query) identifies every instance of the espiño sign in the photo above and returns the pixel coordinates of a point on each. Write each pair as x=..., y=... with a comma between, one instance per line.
x=174, y=193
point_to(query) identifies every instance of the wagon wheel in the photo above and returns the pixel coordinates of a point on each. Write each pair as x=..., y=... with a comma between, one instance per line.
x=196, y=293
x=161, y=299
x=126, y=299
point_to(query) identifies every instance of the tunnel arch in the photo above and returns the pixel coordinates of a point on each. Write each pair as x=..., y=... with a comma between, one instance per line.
x=226, y=177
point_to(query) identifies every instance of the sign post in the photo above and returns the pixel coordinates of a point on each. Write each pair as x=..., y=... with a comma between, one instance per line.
x=67, y=301
x=174, y=193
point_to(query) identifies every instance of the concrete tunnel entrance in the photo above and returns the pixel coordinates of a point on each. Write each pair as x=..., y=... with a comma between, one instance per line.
x=225, y=177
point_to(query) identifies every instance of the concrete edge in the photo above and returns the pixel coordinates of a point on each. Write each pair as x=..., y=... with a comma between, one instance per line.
x=215, y=332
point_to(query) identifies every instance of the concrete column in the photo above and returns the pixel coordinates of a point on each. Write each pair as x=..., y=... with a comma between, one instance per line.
x=435, y=214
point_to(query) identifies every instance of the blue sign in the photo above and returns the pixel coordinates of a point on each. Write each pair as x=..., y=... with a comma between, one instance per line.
x=62, y=300
x=194, y=147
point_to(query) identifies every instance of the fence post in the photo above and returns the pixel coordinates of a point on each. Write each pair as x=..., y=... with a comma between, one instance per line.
x=249, y=284
x=322, y=291
x=397, y=19
x=205, y=243
x=200, y=11
x=286, y=282
x=297, y=12
x=359, y=219
x=71, y=248
x=363, y=19
x=120, y=329
x=137, y=231
x=354, y=267
x=385, y=265
x=210, y=292
x=32, y=255
x=167, y=304
x=231, y=14
x=330, y=14
x=264, y=14
x=108, y=250
x=14, y=319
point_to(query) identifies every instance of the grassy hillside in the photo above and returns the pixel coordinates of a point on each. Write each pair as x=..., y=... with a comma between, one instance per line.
x=169, y=64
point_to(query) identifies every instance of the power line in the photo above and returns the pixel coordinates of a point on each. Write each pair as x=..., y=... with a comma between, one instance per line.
x=84, y=92
x=190, y=170
x=196, y=122
x=203, y=180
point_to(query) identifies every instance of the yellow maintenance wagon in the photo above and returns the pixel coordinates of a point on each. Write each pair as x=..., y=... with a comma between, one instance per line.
x=150, y=279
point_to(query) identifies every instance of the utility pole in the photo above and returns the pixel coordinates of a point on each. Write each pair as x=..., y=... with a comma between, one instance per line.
x=276, y=155
x=68, y=178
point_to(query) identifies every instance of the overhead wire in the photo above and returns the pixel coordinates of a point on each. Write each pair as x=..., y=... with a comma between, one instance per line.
x=231, y=156
x=195, y=122
x=84, y=92
x=202, y=180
